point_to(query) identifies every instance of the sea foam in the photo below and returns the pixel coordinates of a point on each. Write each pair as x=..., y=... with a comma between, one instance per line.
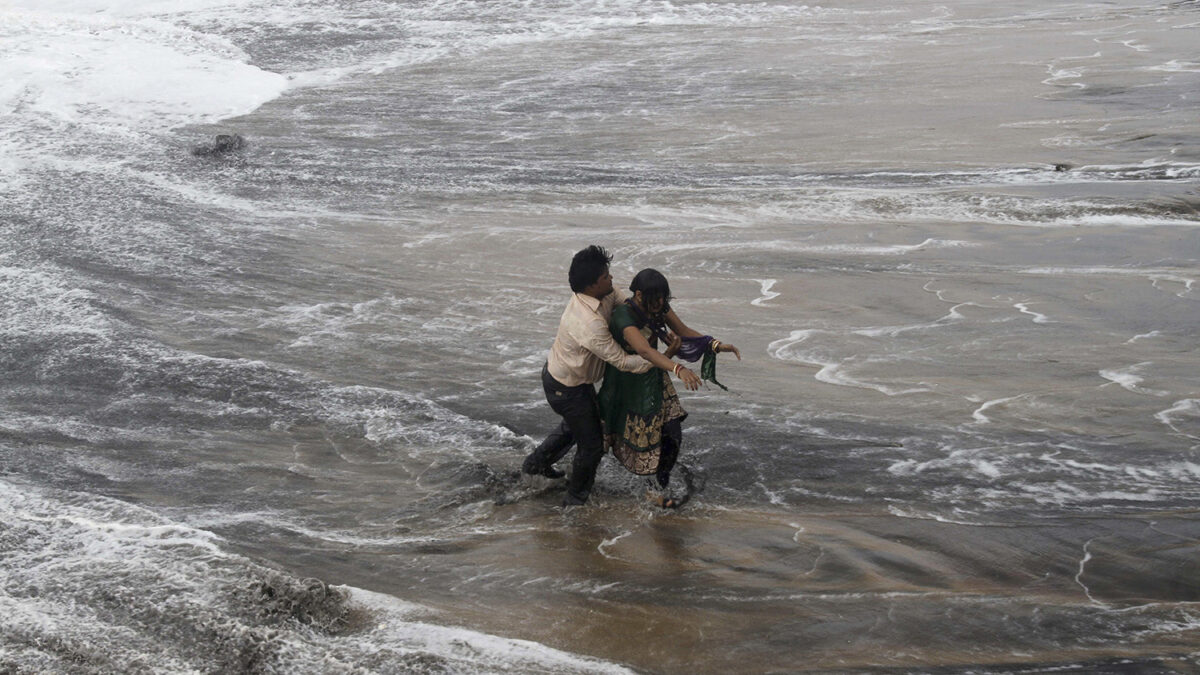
x=97, y=584
x=110, y=64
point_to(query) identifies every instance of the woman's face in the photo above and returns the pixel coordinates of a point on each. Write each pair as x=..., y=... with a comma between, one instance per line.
x=654, y=306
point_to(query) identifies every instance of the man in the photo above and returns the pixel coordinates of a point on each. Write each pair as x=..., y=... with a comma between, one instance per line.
x=576, y=362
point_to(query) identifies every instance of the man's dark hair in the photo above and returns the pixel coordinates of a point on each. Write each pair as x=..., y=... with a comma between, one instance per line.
x=587, y=267
x=653, y=286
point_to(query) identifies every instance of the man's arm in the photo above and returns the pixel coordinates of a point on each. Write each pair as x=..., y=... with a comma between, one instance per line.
x=600, y=342
x=635, y=339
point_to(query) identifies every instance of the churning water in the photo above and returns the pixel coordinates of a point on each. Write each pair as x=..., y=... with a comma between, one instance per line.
x=263, y=410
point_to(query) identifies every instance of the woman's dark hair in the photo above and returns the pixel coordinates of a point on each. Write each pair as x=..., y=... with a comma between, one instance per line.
x=587, y=267
x=653, y=286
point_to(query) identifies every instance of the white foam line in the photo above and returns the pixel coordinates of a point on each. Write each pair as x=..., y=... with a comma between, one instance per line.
x=1059, y=74
x=188, y=191
x=493, y=652
x=1171, y=169
x=913, y=515
x=820, y=549
x=434, y=35
x=1187, y=404
x=1087, y=555
x=150, y=535
x=1187, y=283
x=1144, y=336
x=984, y=419
x=773, y=497
x=832, y=373
x=893, y=331
x=375, y=66
x=1155, y=276
x=609, y=542
x=936, y=292
x=969, y=457
x=1128, y=379
x=767, y=293
x=778, y=245
x=1176, y=66
x=1037, y=317
x=1149, y=605
x=895, y=249
x=428, y=238
x=851, y=596
x=796, y=337
x=816, y=562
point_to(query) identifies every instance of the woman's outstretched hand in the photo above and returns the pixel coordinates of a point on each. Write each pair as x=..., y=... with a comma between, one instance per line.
x=726, y=347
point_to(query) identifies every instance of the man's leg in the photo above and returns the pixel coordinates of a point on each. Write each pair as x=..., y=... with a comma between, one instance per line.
x=541, y=461
x=582, y=415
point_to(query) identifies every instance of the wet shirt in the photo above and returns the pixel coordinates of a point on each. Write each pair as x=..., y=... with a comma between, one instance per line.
x=583, y=343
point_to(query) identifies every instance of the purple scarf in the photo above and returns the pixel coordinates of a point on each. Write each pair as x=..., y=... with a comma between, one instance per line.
x=690, y=348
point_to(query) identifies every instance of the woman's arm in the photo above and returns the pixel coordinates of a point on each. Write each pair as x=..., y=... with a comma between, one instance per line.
x=680, y=328
x=676, y=324
x=633, y=337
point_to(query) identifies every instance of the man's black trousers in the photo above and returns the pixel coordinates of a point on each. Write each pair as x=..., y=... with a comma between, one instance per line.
x=580, y=425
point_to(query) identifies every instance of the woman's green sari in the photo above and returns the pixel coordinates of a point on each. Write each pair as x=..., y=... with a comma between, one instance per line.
x=635, y=406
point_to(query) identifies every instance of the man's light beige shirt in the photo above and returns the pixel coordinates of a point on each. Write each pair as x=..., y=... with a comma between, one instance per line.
x=583, y=342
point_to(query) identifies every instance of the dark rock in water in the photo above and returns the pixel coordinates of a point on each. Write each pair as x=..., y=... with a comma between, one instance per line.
x=223, y=144
x=280, y=598
x=1057, y=167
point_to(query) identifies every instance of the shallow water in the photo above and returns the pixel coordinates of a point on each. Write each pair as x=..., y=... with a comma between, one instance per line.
x=264, y=411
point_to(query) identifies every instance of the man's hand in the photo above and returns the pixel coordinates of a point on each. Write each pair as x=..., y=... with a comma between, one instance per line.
x=673, y=345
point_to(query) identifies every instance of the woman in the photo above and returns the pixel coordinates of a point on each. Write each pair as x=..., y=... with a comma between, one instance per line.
x=641, y=411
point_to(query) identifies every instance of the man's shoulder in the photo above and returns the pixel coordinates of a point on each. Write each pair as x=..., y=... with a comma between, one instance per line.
x=578, y=304
x=609, y=302
x=578, y=313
